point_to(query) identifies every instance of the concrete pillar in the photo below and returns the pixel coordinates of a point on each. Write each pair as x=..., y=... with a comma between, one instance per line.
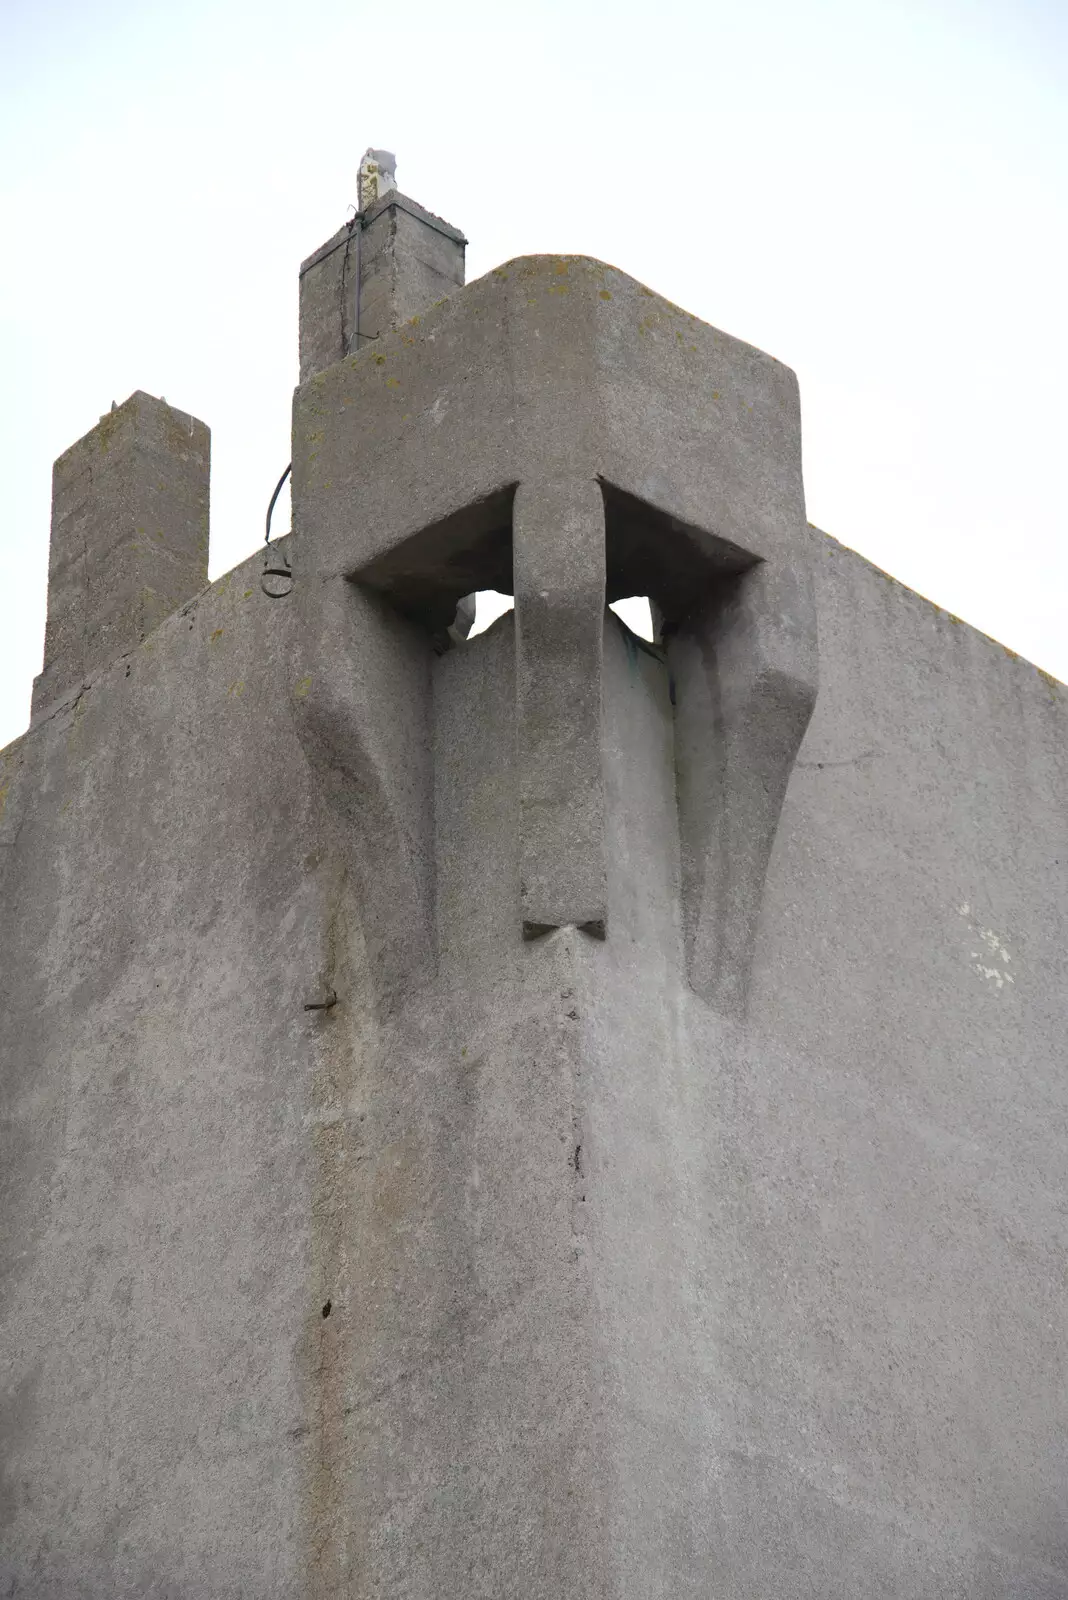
x=129, y=538
x=389, y=263
x=558, y=553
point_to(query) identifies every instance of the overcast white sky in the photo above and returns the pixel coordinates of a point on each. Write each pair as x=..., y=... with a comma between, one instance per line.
x=872, y=191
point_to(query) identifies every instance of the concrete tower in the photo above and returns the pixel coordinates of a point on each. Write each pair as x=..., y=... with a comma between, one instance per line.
x=545, y=1114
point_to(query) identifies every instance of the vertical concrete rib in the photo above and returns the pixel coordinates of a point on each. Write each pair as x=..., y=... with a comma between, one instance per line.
x=559, y=578
x=746, y=672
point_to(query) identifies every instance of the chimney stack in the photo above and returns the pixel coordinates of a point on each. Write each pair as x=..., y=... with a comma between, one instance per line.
x=129, y=540
x=386, y=265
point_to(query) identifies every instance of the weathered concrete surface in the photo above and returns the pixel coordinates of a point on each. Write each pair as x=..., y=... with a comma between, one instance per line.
x=546, y=369
x=558, y=545
x=355, y=1244
x=381, y=268
x=577, y=385
x=154, y=949
x=129, y=538
x=745, y=669
x=627, y=1298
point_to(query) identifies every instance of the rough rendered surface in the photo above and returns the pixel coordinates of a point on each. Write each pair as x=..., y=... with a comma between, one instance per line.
x=551, y=368
x=129, y=538
x=378, y=270
x=525, y=1269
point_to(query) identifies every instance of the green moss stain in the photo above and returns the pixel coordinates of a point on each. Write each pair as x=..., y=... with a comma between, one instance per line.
x=301, y=688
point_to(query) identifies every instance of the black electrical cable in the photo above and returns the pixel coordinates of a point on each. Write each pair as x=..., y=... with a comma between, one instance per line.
x=283, y=570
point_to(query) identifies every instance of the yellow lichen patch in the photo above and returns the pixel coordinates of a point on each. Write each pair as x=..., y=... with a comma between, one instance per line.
x=379, y=360
x=216, y=635
x=532, y=302
x=499, y=272
x=248, y=594
x=646, y=291
x=605, y=294
x=560, y=267
x=3, y=798
x=392, y=383
x=301, y=688
x=237, y=688
x=413, y=322
x=105, y=430
x=558, y=288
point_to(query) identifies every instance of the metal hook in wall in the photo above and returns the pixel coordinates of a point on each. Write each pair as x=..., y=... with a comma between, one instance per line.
x=276, y=580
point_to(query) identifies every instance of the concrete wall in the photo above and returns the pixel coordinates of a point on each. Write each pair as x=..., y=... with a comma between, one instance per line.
x=625, y=1296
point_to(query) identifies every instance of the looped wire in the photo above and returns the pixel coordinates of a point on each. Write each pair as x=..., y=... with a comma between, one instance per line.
x=276, y=580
